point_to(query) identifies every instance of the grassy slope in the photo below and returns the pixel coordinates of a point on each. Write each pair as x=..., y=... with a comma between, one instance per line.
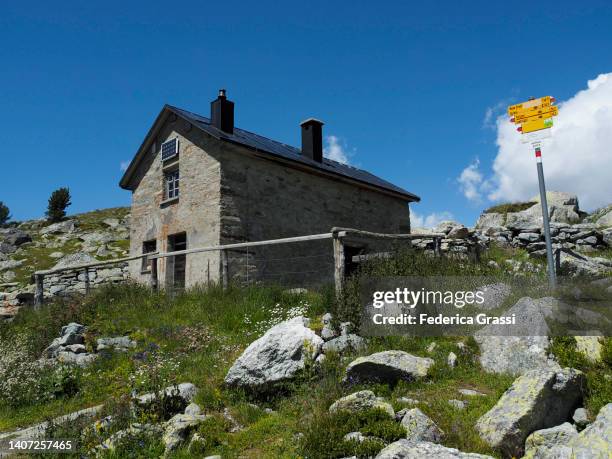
x=38, y=258
x=204, y=332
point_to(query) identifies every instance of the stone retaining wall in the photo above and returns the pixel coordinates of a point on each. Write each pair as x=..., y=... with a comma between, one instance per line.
x=74, y=281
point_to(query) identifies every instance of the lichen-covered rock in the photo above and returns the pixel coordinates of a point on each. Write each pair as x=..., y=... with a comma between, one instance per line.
x=360, y=401
x=541, y=440
x=538, y=399
x=406, y=449
x=388, y=366
x=279, y=355
x=178, y=397
x=177, y=429
x=451, y=360
x=120, y=343
x=590, y=347
x=595, y=442
x=419, y=427
x=344, y=343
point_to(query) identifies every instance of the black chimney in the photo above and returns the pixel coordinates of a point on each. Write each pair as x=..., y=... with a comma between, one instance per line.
x=222, y=113
x=312, y=139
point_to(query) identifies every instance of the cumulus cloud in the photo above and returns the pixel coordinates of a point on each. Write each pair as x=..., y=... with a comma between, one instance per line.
x=470, y=181
x=123, y=165
x=428, y=221
x=336, y=149
x=577, y=158
x=493, y=112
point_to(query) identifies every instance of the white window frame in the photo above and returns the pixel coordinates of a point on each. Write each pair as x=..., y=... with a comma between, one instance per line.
x=172, y=177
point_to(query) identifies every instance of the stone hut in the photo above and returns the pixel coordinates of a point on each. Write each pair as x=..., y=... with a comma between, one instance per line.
x=200, y=182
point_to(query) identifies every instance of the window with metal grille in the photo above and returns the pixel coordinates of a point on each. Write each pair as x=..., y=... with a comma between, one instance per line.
x=169, y=149
x=172, y=184
x=147, y=247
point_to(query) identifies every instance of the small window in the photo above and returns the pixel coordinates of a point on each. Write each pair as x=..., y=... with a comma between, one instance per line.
x=171, y=179
x=147, y=247
x=169, y=149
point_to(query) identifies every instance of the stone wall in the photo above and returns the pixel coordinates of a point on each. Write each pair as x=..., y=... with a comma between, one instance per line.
x=72, y=282
x=263, y=199
x=196, y=212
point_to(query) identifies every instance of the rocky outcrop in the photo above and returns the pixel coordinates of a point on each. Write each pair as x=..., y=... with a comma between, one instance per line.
x=536, y=400
x=360, y=401
x=178, y=428
x=388, y=366
x=344, y=343
x=406, y=449
x=178, y=397
x=278, y=356
x=119, y=343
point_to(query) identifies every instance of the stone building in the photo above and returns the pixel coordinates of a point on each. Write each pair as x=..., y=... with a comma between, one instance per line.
x=199, y=182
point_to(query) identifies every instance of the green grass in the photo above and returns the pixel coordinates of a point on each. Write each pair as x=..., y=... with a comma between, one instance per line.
x=509, y=207
x=202, y=332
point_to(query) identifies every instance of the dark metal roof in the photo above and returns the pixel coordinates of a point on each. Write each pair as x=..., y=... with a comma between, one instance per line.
x=287, y=152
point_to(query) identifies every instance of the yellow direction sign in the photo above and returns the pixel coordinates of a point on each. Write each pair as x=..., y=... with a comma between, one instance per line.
x=536, y=125
x=531, y=105
x=540, y=113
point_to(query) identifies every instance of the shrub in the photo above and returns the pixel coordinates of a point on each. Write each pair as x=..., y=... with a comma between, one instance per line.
x=58, y=202
x=5, y=214
x=26, y=381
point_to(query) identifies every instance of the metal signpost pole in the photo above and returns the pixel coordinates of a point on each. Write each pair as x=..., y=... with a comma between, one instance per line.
x=552, y=279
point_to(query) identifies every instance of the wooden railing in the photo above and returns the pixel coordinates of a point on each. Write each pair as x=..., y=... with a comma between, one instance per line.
x=338, y=236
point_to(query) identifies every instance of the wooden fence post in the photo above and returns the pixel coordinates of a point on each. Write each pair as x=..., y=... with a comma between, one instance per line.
x=86, y=281
x=39, y=296
x=339, y=263
x=437, y=246
x=154, y=279
x=224, y=270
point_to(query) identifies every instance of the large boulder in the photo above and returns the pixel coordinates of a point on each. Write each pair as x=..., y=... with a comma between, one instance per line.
x=344, y=343
x=419, y=427
x=16, y=237
x=538, y=399
x=579, y=265
x=67, y=226
x=490, y=220
x=563, y=442
x=388, y=366
x=517, y=348
x=278, y=356
x=540, y=441
x=406, y=449
x=360, y=401
x=74, y=259
x=562, y=207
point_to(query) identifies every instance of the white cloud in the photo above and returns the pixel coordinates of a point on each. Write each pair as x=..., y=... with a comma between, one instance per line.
x=428, y=221
x=124, y=165
x=491, y=113
x=577, y=159
x=470, y=181
x=336, y=150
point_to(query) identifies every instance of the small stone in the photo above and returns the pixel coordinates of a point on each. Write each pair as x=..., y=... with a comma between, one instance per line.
x=193, y=409
x=359, y=401
x=344, y=343
x=432, y=346
x=354, y=436
x=420, y=428
x=581, y=418
x=458, y=404
x=451, y=360
x=470, y=393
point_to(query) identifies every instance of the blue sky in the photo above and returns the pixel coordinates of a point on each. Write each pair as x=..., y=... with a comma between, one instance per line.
x=404, y=87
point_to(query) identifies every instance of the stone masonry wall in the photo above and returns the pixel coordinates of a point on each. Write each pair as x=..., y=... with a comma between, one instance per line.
x=71, y=282
x=196, y=212
x=262, y=199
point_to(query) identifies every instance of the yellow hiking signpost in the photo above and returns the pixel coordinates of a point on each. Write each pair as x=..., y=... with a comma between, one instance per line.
x=534, y=119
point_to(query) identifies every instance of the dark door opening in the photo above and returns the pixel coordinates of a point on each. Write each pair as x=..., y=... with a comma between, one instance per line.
x=176, y=267
x=350, y=265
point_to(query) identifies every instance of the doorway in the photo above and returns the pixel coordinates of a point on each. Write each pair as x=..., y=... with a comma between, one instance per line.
x=176, y=266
